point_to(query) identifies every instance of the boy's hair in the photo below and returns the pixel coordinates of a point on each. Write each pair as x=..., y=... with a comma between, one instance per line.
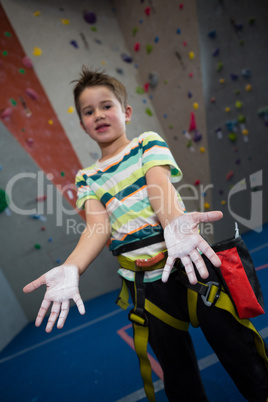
x=90, y=78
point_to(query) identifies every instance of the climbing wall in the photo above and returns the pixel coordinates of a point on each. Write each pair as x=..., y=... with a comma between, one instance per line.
x=203, y=64
x=233, y=44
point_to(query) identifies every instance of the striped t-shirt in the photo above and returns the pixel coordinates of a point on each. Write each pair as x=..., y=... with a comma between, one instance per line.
x=120, y=184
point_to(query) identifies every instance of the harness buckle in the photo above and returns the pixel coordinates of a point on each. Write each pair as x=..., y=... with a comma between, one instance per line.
x=138, y=318
x=206, y=296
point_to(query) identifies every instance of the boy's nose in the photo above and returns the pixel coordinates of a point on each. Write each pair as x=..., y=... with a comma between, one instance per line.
x=99, y=116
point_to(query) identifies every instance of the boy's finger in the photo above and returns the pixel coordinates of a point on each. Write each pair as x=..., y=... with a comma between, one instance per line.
x=189, y=269
x=35, y=284
x=53, y=316
x=42, y=312
x=167, y=269
x=63, y=314
x=210, y=216
x=79, y=302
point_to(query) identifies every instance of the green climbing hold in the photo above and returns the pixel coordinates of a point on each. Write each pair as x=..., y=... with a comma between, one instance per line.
x=4, y=201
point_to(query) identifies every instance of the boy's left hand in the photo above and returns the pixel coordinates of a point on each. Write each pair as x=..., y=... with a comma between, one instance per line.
x=183, y=241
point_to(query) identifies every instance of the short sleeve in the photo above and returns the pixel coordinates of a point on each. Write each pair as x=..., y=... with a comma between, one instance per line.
x=157, y=153
x=84, y=192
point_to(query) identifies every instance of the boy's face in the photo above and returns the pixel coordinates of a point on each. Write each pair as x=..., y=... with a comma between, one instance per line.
x=102, y=116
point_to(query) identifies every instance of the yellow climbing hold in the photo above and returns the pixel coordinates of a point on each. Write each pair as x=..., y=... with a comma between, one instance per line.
x=36, y=13
x=71, y=109
x=223, y=202
x=248, y=87
x=206, y=205
x=222, y=81
x=50, y=122
x=37, y=51
x=227, y=109
x=65, y=22
x=245, y=131
x=202, y=150
x=191, y=55
x=195, y=105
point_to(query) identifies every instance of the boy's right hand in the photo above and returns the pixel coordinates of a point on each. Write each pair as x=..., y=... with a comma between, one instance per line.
x=62, y=285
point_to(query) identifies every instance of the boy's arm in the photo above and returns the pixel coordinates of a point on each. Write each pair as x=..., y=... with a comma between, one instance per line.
x=180, y=229
x=62, y=282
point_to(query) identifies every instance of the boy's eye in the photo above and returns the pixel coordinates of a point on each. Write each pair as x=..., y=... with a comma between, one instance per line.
x=88, y=112
x=107, y=107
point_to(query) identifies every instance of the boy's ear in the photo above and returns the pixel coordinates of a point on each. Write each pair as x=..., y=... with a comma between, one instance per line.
x=128, y=113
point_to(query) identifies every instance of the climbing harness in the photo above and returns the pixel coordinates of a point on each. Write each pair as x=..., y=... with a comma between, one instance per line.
x=236, y=262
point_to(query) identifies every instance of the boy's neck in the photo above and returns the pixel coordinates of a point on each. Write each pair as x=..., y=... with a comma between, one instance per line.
x=109, y=150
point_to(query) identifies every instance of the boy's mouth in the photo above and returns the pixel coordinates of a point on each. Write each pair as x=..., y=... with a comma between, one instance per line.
x=102, y=127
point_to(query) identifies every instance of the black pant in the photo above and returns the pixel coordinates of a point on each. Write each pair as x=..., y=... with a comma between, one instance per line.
x=232, y=342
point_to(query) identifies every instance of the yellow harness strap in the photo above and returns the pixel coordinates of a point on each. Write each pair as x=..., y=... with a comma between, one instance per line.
x=141, y=333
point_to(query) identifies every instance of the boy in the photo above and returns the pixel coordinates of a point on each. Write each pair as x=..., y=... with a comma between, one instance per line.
x=130, y=201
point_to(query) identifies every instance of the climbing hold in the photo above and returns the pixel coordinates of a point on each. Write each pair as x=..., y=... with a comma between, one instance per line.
x=191, y=55
x=197, y=182
x=41, y=198
x=149, y=48
x=126, y=58
x=218, y=131
x=70, y=109
x=195, y=105
x=248, y=87
x=74, y=44
x=50, y=122
x=147, y=11
x=137, y=47
x=197, y=136
x=30, y=92
x=234, y=77
x=223, y=202
x=229, y=175
x=65, y=21
x=202, y=150
x=245, y=131
x=178, y=31
x=156, y=39
x=37, y=51
x=191, y=75
x=36, y=13
x=27, y=62
x=212, y=34
x=246, y=73
x=62, y=174
x=219, y=66
x=216, y=52
x=140, y=90
x=6, y=113
x=30, y=141
x=241, y=118
x=148, y=111
x=238, y=104
x=181, y=6
x=4, y=201
x=237, y=92
x=184, y=43
x=227, y=109
x=153, y=79
x=192, y=125
x=190, y=94
x=146, y=87
x=37, y=246
x=212, y=100
x=206, y=205
x=222, y=81
x=252, y=21
x=232, y=137
x=43, y=228
x=134, y=31
x=90, y=17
